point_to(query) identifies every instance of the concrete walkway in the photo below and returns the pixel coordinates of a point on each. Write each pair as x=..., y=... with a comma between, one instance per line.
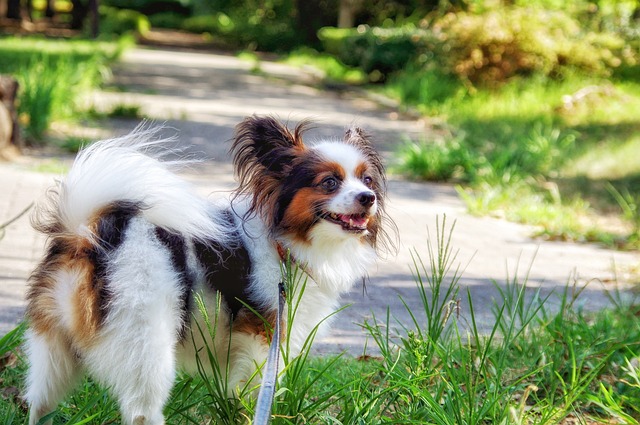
x=203, y=96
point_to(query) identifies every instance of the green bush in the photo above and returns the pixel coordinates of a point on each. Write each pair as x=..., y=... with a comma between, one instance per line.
x=495, y=45
x=53, y=75
x=377, y=51
x=423, y=86
x=434, y=161
x=259, y=31
x=219, y=24
x=50, y=87
x=122, y=21
x=166, y=20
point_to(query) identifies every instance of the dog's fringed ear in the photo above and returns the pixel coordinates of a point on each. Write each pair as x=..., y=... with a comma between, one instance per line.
x=356, y=136
x=263, y=145
x=263, y=150
x=359, y=138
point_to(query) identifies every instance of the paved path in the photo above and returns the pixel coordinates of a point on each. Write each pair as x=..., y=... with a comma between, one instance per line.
x=203, y=96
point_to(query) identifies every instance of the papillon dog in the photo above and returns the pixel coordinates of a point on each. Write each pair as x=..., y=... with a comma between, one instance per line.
x=133, y=251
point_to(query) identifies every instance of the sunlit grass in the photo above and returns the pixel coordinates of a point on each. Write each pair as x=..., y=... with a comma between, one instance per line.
x=542, y=360
x=53, y=76
x=572, y=135
x=331, y=68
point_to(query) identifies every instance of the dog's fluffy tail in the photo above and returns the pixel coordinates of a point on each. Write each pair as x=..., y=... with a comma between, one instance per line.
x=133, y=168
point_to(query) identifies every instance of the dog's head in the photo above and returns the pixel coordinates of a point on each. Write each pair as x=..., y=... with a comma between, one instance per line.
x=332, y=190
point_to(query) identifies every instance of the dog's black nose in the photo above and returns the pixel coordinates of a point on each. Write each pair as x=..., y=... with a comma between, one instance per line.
x=366, y=199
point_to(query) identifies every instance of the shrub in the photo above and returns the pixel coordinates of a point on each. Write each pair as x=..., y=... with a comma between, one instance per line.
x=434, y=161
x=423, y=86
x=166, y=20
x=377, y=51
x=50, y=87
x=493, y=46
x=122, y=21
x=262, y=31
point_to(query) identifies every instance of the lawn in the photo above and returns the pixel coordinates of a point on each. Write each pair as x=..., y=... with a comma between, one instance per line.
x=53, y=76
x=538, y=365
x=555, y=154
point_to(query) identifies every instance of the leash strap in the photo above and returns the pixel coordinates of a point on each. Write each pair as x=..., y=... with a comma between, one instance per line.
x=268, y=388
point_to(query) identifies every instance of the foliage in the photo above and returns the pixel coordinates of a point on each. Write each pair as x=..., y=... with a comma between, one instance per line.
x=278, y=25
x=122, y=21
x=539, y=149
x=166, y=20
x=630, y=205
x=332, y=69
x=483, y=49
x=542, y=360
x=434, y=161
x=151, y=7
x=53, y=76
x=493, y=46
x=376, y=51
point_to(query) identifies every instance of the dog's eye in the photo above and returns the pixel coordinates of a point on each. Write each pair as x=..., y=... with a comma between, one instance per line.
x=329, y=184
x=368, y=181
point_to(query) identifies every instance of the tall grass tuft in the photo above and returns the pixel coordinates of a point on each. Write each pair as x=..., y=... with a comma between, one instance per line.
x=630, y=205
x=543, y=359
x=51, y=87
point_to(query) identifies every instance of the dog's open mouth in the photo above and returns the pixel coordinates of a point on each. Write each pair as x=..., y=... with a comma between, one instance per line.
x=350, y=222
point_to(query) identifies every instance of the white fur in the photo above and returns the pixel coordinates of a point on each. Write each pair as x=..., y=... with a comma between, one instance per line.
x=53, y=372
x=129, y=168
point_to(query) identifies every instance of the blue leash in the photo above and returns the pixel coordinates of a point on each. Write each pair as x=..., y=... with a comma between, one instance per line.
x=267, y=392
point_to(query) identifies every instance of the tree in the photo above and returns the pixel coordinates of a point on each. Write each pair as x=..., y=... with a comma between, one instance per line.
x=50, y=10
x=13, y=9
x=347, y=13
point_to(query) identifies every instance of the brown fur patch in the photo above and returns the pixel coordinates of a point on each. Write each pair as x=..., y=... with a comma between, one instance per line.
x=263, y=150
x=302, y=212
x=72, y=254
x=65, y=253
x=250, y=323
x=361, y=170
x=307, y=201
x=326, y=169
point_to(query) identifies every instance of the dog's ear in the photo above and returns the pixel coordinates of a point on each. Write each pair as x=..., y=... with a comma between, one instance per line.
x=263, y=151
x=359, y=138
x=262, y=145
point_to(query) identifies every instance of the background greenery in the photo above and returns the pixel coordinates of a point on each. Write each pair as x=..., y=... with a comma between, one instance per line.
x=535, y=103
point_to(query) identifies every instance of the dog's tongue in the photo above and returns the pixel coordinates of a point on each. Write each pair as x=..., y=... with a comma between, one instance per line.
x=354, y=220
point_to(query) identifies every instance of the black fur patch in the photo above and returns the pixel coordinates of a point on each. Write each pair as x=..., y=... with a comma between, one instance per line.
x=177, y=247
x=110, y=230
x=227, y=269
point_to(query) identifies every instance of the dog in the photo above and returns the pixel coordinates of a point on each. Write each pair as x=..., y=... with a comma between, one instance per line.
x=130, y=244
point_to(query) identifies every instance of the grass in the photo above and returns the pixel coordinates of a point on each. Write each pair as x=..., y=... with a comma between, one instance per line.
x=535, y=150
x=333, y=71
x=543, y=360
x=53, y=77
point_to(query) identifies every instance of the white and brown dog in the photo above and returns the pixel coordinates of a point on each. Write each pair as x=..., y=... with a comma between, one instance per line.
x=130, y=243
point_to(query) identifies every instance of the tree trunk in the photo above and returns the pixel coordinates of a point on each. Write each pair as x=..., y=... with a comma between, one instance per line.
x=13, y=9
x=50, y=11
x=309, y=20
x=95, y=18
x=78, y=14
x=347, y=13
